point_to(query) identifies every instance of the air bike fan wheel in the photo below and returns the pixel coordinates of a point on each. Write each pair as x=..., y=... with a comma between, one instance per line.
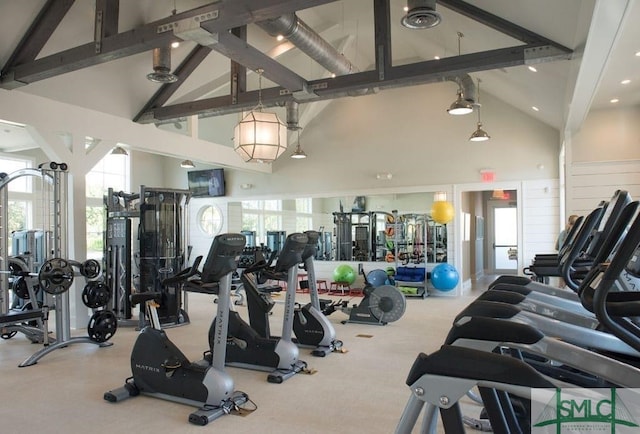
x=379, y=306
x=387, y=304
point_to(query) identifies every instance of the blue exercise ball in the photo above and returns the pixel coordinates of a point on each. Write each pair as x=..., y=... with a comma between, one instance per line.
x=377, y=278
x=444, y=277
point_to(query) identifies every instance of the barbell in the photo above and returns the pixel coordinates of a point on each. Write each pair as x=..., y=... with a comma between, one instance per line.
x=56, y=275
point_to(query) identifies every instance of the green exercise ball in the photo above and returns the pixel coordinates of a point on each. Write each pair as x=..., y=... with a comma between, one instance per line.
x=344, y=273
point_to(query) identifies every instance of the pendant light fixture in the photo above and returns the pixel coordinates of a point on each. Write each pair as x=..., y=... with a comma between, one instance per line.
x=260, y=136
x=298, y=154
x=479, y=135
x=460, y=106
x=119, y=150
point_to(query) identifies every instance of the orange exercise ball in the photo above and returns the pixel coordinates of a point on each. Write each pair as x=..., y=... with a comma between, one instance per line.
x=442, y=212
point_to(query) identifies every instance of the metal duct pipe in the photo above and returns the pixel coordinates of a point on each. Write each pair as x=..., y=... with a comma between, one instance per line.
x=309, y=42
x=466, y=83
x=292, y=115
x=162, y=66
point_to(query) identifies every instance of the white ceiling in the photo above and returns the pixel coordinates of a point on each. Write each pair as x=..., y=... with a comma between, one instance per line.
x=120, y=87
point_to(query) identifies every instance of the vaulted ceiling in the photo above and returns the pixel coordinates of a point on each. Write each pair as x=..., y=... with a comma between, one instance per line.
x=97, y=54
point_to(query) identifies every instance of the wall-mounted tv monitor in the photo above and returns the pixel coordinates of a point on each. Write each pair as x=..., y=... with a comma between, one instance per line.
x=206, y=183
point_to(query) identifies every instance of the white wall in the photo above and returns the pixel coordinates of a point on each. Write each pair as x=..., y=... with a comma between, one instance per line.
x=406, y=132
x=603, y=157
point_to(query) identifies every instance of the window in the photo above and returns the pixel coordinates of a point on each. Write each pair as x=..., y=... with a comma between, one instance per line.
x=21, y=196
x=210, y=220
x=19, y=215
x=261, y=216
x=9, y=165
x=110, y=172
x=304, y=217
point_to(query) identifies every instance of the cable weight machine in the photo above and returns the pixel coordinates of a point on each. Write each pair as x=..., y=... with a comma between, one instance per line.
x=156, y=252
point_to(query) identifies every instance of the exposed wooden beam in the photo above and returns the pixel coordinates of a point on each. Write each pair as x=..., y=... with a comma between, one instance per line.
x=184, y=70
x=500, y=24
x=39, y=32
x=431, y=71
x=214, y=17
x=238, y=73
x=382, y=32
x=106, y=21
x=251, y=58
x=110, y=10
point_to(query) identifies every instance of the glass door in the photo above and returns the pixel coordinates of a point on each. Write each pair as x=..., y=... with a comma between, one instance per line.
x=505, y=238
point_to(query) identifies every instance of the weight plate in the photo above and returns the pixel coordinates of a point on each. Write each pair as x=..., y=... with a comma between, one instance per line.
x=96, y=294
x=20, y=288
x=102, y=326
x=55, y=276
x=90, y=269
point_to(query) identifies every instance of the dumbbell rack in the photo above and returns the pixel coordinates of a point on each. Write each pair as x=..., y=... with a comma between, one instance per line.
x=53, y=218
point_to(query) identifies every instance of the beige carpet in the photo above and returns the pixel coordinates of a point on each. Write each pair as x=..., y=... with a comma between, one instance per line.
x=362, y=390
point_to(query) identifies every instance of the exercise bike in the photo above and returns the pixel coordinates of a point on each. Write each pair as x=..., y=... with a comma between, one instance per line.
x=310, y=326
x=379, y=306
x=245, y=347
x=161, y=370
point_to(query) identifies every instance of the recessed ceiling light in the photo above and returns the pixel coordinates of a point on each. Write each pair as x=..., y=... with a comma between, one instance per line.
x=406, y=9
x=175, y=44
x=614, y=100
x=436, y=57
x=279, y=38
x=638, y=53
x=535, y=109
x=333, y=75
x=532, y=69
x=627, y=81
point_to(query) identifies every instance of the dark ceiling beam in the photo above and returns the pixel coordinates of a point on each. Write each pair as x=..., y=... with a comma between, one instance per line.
x=382, y=32
x=431, y=71
x=215, y=17
x=39, y=32
x=499, y=24
x=238, y=73
x=184, y=70
x=106, y=21
x=238, y=50
x=110, y=10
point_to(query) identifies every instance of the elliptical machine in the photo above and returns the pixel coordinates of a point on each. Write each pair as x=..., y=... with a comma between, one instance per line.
x=310, y=325
x=245, y=347
x=161, y=370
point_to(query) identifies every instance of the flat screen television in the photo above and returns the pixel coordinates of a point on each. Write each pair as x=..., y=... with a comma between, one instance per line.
x=206, y=183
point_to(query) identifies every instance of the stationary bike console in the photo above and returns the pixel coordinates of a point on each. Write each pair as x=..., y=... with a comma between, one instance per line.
x=223, y=253
x=291, y=253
